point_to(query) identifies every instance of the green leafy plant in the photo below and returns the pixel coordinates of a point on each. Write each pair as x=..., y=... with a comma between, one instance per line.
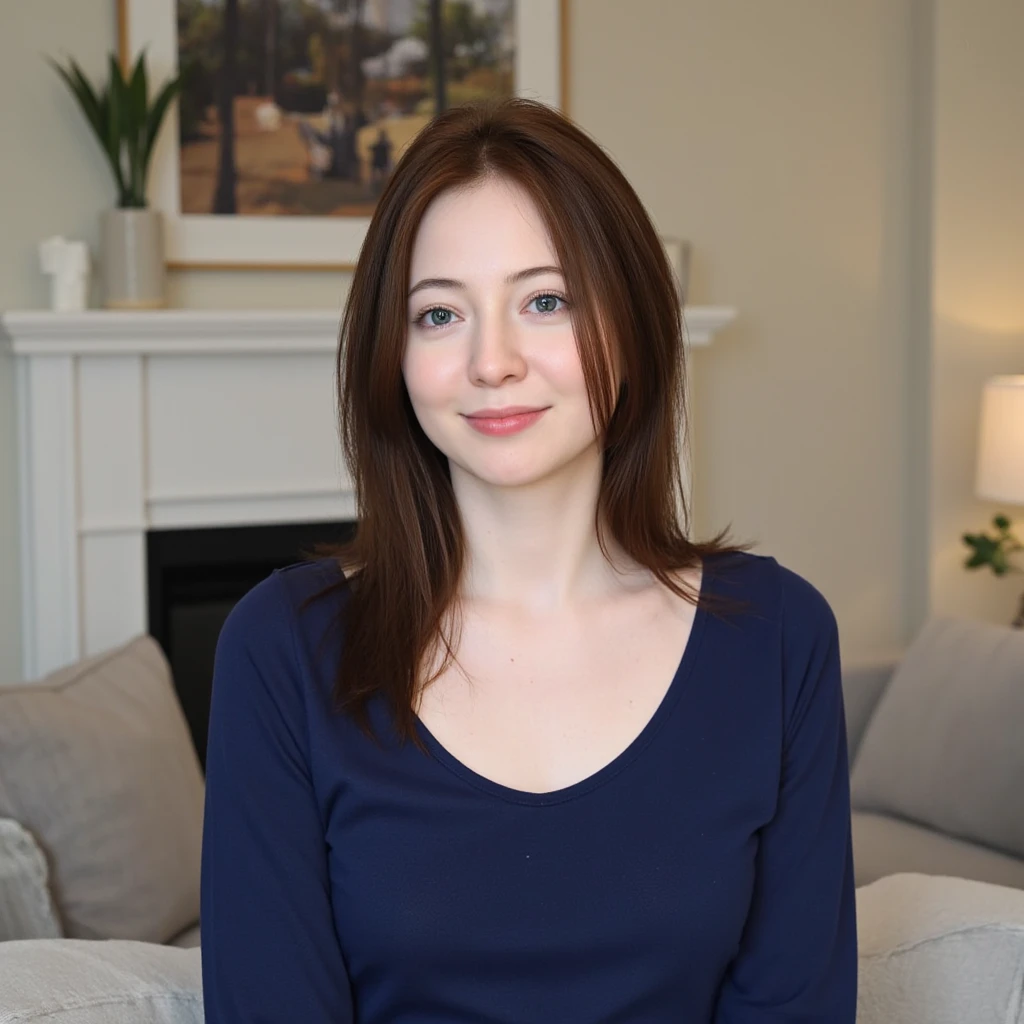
x=993, y=551
x=125, y=122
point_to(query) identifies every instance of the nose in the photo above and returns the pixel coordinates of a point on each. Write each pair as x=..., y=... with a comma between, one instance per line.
x=496, y=355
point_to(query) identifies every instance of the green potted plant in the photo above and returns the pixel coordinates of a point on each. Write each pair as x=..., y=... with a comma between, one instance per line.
x=994, y=552
x=126, y=126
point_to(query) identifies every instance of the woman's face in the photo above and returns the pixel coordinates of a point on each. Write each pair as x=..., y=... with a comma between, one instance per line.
x=489, y=329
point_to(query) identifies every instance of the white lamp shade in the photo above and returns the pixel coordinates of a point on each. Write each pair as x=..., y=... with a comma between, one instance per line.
x=1001, y=441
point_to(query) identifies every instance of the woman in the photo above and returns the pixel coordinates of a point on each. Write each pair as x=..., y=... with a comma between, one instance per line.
x=626, y=796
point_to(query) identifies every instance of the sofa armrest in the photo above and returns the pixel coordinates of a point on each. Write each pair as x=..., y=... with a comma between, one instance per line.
x=863, y=686
x=941, y=949
x=96, y=981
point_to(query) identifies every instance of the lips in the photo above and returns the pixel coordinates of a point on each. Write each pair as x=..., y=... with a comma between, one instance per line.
x=503, y=414
x=504, y=423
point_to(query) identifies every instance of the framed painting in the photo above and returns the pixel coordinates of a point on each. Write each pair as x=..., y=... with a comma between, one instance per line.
x=293, y=112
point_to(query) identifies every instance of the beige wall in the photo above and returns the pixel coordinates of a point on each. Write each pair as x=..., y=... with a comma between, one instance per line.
x=791, y=142
x=978, y=309
x=775, y=137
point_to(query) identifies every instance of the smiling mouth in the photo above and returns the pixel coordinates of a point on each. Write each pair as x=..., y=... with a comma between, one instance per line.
x=505, y=424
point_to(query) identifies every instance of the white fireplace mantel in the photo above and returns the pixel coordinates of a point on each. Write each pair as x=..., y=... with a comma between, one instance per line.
x=130, y=422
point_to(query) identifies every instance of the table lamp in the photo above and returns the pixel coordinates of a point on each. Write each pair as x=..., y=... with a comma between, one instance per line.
x=1000, y=473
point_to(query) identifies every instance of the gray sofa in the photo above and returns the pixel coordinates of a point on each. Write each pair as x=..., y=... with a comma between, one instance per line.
x=101, y=801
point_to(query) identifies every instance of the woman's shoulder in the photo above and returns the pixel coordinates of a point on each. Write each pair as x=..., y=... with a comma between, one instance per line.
x=265, y=641
x=303, y=579
x=271, y=609
x=790, y=628
x=767, y=582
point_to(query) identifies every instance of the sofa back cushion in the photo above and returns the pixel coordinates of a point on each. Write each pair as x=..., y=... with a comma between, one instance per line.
x=944, y=747
x=863, y=686
x=97, y=762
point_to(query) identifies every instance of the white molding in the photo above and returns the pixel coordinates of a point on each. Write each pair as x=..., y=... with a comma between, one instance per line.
x=314, y=491
x=171, y=332
x=25, y=531
x=284, y=508
x=50, y=567
x=112, y=528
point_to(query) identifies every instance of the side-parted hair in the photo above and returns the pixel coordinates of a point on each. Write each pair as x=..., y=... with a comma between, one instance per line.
x=404, y=565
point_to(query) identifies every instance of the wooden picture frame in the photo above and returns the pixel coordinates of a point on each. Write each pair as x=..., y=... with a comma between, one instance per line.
x=293, y=242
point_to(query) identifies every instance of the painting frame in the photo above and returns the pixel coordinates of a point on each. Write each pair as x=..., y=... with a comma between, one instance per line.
x=200, y=241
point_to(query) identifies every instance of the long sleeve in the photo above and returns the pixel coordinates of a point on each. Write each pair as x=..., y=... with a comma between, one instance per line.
x=270, y=952
x=798, y=955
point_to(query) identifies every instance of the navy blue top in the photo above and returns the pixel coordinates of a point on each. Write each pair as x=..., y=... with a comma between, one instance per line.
x=703, y=875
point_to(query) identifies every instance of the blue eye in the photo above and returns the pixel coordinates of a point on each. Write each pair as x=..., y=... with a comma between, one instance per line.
x=434, y=318
x=548, y=300
x=439, y=316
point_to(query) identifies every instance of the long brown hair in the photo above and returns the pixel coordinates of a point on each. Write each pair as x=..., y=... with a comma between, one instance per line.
x=404, y=565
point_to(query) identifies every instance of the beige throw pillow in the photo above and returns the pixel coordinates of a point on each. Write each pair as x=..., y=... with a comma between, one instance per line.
x=97, y=762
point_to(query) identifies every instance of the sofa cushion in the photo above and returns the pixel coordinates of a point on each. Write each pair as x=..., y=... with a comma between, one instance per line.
x=26, y=906
x=941, y=950
x=943, y=748
x=78, y=981
x=887, y=846
x=97, y=762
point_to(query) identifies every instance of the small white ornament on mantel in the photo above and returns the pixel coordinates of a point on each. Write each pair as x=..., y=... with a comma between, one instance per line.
x=67, y=263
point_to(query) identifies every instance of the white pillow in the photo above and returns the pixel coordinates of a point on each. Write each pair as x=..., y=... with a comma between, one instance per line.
x=90, y=981
x=939, y=950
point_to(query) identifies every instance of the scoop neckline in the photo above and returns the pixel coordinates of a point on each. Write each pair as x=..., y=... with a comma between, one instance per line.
x=620, y=762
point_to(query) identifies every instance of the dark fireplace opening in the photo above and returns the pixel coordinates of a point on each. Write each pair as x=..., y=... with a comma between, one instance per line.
x=196, y=576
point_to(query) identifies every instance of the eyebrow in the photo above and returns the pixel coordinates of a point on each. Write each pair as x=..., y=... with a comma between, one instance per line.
x=450, y=282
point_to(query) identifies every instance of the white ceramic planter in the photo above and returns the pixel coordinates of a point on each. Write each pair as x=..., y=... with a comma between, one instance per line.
x=132, y=259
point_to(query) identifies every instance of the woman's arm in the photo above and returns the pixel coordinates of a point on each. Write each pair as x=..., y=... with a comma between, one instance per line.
x=798, y=955
x=270, y=952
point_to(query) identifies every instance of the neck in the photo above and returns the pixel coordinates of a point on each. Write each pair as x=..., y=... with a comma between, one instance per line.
x=534, y=547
